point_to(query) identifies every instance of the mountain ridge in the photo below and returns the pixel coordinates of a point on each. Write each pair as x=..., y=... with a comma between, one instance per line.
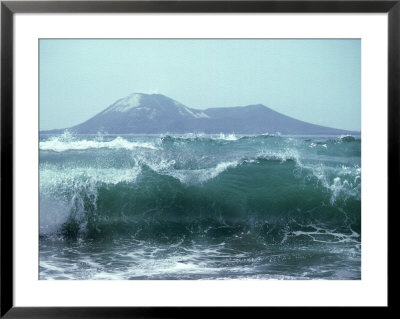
x=157, y=113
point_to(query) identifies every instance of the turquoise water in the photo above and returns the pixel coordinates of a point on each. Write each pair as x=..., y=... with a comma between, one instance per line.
x=200, y=206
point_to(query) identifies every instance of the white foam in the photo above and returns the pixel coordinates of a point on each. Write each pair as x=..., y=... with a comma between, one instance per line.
x=319, y=234
x=340, y=185
x=72, y=177
x=201, y=175
x=227, y=137
x=60, y=144
x=63, y=190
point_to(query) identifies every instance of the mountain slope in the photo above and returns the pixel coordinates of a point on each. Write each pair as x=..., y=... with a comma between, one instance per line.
x=156, y=113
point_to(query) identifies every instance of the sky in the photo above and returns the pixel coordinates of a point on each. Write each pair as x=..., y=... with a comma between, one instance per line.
x=313, y=80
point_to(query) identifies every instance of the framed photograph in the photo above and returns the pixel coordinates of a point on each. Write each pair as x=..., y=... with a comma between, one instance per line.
x=158, y=156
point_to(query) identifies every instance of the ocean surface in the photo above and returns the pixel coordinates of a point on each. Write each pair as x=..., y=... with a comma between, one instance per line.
x=199, y=206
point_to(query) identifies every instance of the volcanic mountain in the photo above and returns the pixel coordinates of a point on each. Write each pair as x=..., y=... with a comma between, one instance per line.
x=156, y=113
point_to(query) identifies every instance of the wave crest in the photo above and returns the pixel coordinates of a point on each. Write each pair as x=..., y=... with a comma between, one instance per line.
x=67, y=142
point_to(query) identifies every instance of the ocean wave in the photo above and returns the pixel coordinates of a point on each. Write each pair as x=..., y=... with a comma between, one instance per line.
x=68, y=142
x=198, y=136
x=168, y=201
x=173, y=187
x=61, y=144
x=337, y=179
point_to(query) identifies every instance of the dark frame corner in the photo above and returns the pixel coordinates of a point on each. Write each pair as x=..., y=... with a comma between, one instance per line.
x=9, y=8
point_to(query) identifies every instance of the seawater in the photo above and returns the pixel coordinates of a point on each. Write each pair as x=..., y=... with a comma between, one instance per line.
x=199, y=206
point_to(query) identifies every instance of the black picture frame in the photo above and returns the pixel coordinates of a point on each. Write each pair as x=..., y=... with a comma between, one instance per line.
x=9, y=8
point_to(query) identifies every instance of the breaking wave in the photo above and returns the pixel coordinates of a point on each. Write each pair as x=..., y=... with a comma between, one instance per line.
x=170, y=188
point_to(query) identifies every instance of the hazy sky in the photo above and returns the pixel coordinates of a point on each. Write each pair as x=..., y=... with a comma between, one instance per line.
x=317, y=81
